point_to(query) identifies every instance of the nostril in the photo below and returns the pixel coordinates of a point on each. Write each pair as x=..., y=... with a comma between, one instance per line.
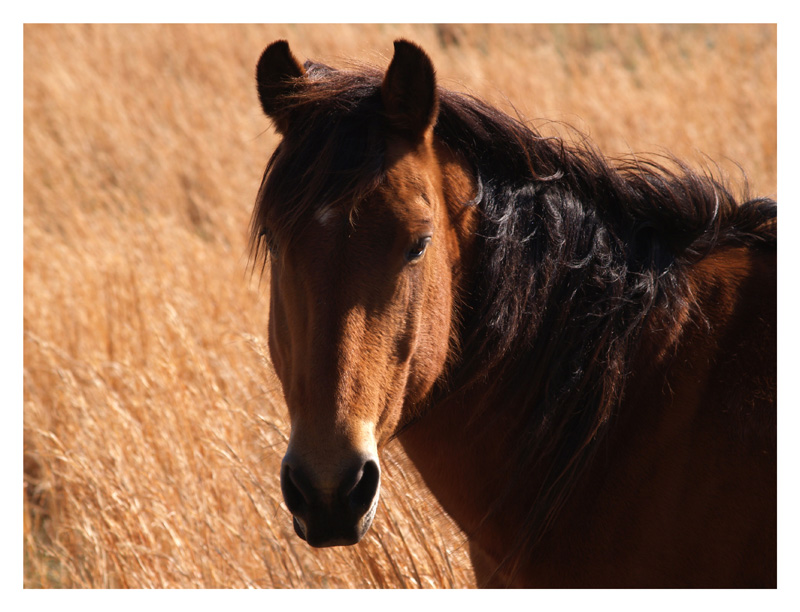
x=363, y=493
x=292, y=489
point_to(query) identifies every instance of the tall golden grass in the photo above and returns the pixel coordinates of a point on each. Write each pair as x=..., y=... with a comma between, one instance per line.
x=153, y=423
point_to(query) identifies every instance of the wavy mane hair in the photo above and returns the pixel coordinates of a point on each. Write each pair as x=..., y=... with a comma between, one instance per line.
x=577, y=252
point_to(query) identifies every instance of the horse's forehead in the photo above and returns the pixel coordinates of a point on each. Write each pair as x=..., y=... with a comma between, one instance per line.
x=399, y=200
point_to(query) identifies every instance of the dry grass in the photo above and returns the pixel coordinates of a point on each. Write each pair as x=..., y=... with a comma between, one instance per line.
x=153, y=423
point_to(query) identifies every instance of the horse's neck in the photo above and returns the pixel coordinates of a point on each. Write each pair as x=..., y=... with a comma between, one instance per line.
x=687, y=396
x=462, y=461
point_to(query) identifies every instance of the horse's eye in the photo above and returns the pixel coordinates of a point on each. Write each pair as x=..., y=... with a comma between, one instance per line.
x=417, y=250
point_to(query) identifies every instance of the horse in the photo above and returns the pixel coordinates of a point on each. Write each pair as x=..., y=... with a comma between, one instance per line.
x=578, y=353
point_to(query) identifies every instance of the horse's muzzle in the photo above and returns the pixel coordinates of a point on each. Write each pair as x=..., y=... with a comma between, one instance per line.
x=338, y=514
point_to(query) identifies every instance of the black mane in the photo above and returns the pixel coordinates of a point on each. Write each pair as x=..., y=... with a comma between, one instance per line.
x=578, y=252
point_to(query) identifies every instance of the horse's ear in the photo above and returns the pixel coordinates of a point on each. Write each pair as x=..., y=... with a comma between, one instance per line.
x=276, y=77
x=408, y=91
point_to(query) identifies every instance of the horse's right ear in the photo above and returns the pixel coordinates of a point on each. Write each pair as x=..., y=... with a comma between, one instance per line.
x=276, y=77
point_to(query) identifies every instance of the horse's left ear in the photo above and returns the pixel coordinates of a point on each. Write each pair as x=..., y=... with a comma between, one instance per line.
x=408, y=91
x=277, y=76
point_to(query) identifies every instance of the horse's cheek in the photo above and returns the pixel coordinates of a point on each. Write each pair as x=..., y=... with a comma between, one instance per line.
x=434, y=336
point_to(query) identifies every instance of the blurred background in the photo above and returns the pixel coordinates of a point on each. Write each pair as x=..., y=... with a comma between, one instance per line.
x=153, y=423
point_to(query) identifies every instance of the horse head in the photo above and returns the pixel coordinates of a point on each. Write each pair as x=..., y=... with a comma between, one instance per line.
x=354, y=208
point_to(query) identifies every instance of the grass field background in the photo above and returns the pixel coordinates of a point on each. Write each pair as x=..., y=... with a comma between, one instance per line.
x=153, y=422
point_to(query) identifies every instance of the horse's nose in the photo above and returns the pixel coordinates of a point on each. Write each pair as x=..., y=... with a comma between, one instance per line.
x=332, y=511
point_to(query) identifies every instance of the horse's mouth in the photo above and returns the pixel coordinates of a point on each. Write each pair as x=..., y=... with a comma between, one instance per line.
x=333, y=533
